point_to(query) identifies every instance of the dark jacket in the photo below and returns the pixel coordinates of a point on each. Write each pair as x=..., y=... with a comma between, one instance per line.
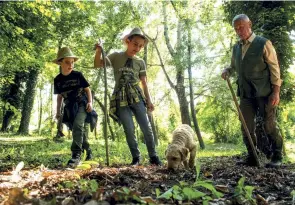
x=71, y=109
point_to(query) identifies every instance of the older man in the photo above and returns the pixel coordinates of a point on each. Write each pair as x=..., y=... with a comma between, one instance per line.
x=255, y=61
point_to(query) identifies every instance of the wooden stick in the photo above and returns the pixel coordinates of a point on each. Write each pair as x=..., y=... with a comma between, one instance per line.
x=243, y=122
x=105, y=121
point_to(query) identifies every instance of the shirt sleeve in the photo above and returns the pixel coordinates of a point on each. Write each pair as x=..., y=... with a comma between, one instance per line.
x=55, y=88
x=270, y=58
x=142, y=71
x=110, y=59
x=83, y=81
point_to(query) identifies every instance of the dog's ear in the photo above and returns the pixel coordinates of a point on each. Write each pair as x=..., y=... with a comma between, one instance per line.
x=184, y=152
x=167, y=149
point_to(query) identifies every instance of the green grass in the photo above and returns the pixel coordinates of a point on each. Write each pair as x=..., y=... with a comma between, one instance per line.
x=37, y=150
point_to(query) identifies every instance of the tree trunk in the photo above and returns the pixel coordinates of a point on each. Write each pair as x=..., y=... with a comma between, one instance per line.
x=183, y=104
x=177, y=57
x=40, y=111
x=12, y=95
x=150, y=115
x=6, y=120
x=52, y=122
x=28, y=102
x=193, y=112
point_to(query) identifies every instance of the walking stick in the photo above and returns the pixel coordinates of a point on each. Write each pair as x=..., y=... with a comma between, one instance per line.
x=105, y=130
x=243, y=122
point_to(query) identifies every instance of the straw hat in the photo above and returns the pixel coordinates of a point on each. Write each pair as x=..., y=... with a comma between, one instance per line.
x=136, y=31
x=65, y=52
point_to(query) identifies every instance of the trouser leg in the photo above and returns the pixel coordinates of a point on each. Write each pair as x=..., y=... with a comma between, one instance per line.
x=78, y=130
x=125, y=115
x=248, y=108
x=140, y=114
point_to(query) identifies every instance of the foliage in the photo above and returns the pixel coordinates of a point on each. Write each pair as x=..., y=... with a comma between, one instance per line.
x=243, y=193
x=32, y=32
x=186, y=192
x=89, y=186
x=218, y=115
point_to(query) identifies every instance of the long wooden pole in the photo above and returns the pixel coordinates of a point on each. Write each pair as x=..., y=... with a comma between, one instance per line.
x=243, y=122
x=105, y=129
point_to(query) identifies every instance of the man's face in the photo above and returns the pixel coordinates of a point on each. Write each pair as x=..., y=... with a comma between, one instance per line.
x=243, y=29
x=135, y=45
x=67, y=65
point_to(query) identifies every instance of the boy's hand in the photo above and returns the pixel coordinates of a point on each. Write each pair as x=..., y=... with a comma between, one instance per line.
x=89, y=107
x=97, y=46
x=150, y=107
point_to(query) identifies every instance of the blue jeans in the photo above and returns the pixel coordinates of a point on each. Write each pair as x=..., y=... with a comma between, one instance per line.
x=139, y=111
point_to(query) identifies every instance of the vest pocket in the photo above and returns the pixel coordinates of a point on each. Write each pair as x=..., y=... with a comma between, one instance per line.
x=262, y=87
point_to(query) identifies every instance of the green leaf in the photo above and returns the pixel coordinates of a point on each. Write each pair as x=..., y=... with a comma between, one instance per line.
x=69, y=184
x=198, y=168
x=126, y=190
x=158, y=192
x=240, y=186
x=93, y=185
x=83, y=166
x=166, y=195
x=183, y=184
x=249, y=191
x=210, y=187
x=136, y=198
x=192, y=194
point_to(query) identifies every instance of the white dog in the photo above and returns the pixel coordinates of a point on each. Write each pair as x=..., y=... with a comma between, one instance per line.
x=183, y=143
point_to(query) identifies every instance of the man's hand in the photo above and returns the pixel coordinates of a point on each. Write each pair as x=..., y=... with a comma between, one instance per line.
x=89, y=107
x=225, y=74
x=274, y=98
x=57, y=116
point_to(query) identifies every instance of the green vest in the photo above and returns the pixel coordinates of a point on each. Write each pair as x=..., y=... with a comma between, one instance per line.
x=253, y=72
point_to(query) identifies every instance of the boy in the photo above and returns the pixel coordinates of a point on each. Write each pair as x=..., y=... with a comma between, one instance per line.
x=128, y=98
x=73, y=89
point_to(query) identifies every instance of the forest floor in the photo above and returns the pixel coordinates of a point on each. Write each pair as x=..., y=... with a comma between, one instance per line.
x=216, y=180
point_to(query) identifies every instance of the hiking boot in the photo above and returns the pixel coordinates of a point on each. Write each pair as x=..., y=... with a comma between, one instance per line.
x=59, y=134
x=249, y=161
x=75, y=161
x=135, y=161
x=155, y=161
x=88, y=155
x=58, y=139
x=276, y=161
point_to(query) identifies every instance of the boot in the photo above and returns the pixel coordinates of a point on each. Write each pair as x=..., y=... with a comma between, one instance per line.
x=155, y=161
x=88, y=155
x=76, y=157
x=135, y=161
x=59, y=137
x=248, y=161
x=276, y=161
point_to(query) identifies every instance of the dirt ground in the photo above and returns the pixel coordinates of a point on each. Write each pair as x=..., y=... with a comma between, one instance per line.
x=271, y=186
